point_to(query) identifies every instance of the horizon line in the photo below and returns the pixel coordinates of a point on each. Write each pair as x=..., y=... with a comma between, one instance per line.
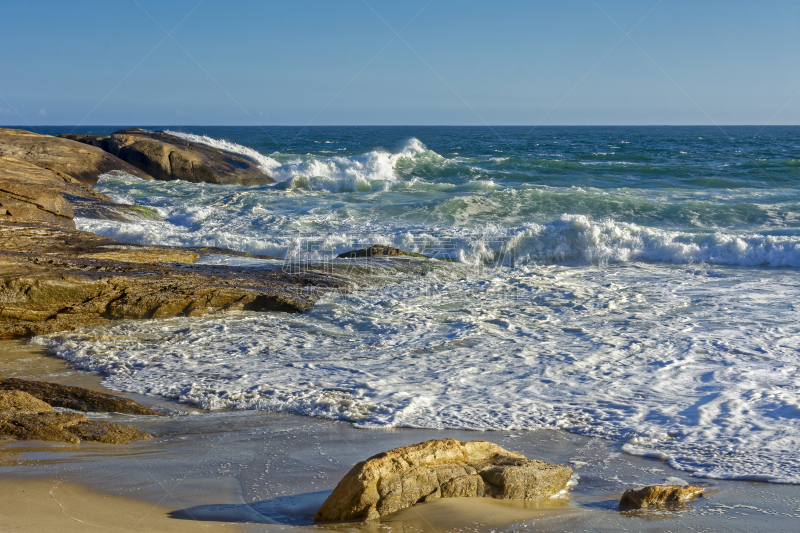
x=23, y=126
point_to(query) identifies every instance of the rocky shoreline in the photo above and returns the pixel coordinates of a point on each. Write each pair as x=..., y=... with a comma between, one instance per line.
x=55, y=278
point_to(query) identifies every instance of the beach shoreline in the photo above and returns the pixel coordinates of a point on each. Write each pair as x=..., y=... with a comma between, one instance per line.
x=265, y=471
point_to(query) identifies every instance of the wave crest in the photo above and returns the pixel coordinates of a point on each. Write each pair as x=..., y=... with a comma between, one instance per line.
x=374, y=170
x=577, y=238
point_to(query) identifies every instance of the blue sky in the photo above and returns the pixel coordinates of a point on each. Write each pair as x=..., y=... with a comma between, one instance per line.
x=454, y=62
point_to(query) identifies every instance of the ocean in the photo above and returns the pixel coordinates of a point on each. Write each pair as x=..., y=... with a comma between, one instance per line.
x=640, y=284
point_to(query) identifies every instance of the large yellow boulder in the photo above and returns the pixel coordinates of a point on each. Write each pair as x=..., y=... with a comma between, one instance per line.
x=442, y=468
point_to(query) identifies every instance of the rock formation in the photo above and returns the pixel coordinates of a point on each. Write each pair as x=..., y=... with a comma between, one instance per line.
x=71, y=160
x=24, y=417
x=75, y=398
x=443, y=468
x=33, y=194
x=658, y=495
x=26, y=195
x=166, y=157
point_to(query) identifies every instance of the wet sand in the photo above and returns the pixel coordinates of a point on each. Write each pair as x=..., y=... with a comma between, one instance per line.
x=260, y=471
x=52, y=505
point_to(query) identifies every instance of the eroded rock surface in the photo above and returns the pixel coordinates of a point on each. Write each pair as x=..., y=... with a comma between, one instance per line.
x=21, y=402
x=66, y=427
x=443, y=468
x=36, y=195
x=166, y=157
x=654, y=495
x=75, y=398
x=54, y=279
x=71, y=160
x=107, y=432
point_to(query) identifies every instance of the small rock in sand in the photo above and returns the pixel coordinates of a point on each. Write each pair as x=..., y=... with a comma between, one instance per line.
x=658, y=495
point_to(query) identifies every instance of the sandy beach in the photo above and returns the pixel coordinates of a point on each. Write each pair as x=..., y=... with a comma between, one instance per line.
x=262, y=471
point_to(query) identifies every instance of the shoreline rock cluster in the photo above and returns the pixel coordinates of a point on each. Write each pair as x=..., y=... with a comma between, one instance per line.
x=71, y=161
x=76, y=398
x=26, y=413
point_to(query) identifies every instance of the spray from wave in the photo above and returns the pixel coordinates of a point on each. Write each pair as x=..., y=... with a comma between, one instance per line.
x=374, y=170
x=265, y=163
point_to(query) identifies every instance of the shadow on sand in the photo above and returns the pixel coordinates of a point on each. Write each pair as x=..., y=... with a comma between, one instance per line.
x=295, y=510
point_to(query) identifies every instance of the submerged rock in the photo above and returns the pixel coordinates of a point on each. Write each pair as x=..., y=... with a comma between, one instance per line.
x=166, y=157
x=76, y=398
x=106, y=210
x=378, y=250
x=658, y=495
x=71, y=160
x=107, y=432
x=443, y=468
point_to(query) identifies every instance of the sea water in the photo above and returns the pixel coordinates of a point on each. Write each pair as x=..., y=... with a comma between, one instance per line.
x=639, y=284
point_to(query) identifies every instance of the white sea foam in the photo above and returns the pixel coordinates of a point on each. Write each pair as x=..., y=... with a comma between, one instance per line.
x=578, y=238
x=570, y=239
x=696, y=367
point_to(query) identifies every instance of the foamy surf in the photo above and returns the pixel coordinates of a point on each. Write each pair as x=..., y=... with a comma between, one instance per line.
x=569, y=239
x=635, y=353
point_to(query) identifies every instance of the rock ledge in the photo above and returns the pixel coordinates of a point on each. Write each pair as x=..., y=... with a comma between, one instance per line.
x=76, y=398
x=24, y=417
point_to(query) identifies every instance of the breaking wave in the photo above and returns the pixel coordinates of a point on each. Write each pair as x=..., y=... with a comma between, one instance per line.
x=265, y=163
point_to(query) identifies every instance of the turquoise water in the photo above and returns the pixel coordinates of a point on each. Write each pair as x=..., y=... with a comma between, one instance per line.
x=634, y=283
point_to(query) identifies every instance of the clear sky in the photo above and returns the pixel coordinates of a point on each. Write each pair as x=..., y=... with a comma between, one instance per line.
x=342, y=62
